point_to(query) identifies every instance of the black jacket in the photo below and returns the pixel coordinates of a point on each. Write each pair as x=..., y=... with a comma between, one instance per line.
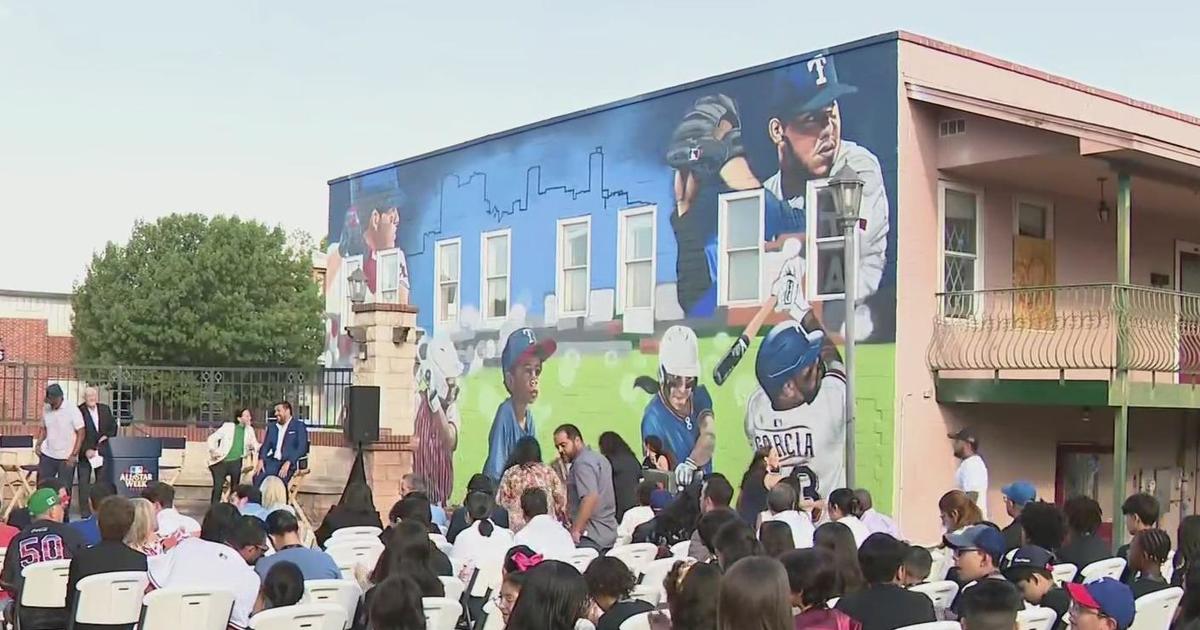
x=92, y=432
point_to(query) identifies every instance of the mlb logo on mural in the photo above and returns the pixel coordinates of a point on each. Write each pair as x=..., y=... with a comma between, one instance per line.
x=136, y=476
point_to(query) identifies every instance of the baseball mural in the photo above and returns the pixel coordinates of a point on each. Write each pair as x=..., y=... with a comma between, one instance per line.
x=669, y=268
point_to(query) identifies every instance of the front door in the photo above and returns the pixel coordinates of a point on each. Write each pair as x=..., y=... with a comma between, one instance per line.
x=1085, y=470
x=1033, y=263
x=1187, y=280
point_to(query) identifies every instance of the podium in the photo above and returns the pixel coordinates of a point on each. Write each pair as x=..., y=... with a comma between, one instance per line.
x=131, y=463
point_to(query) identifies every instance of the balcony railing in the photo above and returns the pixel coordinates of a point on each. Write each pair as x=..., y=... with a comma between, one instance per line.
x=1074, y=327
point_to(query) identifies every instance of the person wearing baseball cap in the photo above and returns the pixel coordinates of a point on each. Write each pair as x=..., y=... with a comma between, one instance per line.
x=521, y=364
x=1016, y=495
x=1103, y=604
x=59, y=437
x=681, y=412
x=1030, y=568
x=45, y=538
x=977, y=553
x=972, y=474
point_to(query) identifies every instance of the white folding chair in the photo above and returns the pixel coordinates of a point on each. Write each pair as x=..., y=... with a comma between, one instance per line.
x=1107, y=568
x=439, y=539
x=494, y=619
x=581, y=558
x=1037, y=618
x=45, y=586
x=454, y=587
x=1156, y=610
x=186, y=609
x=832, y=603
x=441, y=613
x=680, y=550
x=648, y=593
x=1064, y=573
x=346, y=566
x=354, y=551
x=364, y=531
x=942, y=593
x=109, y=598
x=637, y=622
x=301, y=617
x=656, y=572
x=942, y=562
x=934, y=625
x=635, y=556
x=344, y=593
x=584, y=624
x=1167, y=568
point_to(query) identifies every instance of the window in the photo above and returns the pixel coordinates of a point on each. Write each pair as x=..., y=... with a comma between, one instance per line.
x=447, y=273
x=1033, y=218
x=388, y=276
x=343, y=288
x=962, y=269
x=827, y=270
x=574, y=259
x=635, y=277
x=496, y=258
x=740, y=237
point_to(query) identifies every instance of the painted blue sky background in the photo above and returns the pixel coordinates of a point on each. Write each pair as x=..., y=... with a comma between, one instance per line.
x=112, y=112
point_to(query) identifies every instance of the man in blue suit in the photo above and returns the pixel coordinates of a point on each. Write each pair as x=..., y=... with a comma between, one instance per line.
x=284, y=445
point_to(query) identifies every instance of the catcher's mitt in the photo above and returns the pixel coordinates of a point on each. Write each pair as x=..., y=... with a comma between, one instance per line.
x=694, y=146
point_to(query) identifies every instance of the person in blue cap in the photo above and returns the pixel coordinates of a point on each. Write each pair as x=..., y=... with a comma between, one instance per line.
x=1103, y=604
x=521, y=364
x=1016, y=495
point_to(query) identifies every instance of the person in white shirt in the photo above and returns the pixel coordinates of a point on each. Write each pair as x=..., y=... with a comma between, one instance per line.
x=876, y=522
x=542, y=533
x=212, y=564
x=170, y=522
x=640, y=513
x=782, y=501
x=844, y=509
x=972, y=474
x=59, y=437
x=482, y=543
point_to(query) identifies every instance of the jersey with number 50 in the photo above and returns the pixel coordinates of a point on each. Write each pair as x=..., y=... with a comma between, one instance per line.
x=810, y=435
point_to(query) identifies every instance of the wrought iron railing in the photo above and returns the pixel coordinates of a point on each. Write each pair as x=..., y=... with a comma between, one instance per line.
x=179, y=395
x=1092, y=326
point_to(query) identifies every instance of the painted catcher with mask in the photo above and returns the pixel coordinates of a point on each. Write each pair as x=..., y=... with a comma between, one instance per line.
x=436, y=423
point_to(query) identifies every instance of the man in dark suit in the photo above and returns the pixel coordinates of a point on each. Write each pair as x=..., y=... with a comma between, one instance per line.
x=285, y=444
x=99, y=424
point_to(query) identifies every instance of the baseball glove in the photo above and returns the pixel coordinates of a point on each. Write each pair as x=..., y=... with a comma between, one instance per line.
x=694, y=145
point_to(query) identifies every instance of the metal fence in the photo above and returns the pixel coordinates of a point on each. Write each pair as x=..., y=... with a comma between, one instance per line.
x=1093, y=326
x=179, y=395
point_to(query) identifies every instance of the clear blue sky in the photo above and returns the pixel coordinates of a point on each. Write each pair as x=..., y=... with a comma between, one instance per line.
x=115, y=111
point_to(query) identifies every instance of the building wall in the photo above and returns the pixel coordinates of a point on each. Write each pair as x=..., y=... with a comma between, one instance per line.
x=597, y=167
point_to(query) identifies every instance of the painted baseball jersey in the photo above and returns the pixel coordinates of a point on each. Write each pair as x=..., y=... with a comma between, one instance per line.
x=505, y=433
x=678, y=434
x=811, y=435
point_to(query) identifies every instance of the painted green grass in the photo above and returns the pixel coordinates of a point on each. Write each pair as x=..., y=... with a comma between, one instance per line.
x=595, y=392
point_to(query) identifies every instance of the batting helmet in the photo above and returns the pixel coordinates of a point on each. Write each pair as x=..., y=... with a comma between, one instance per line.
x=787, y=349
x=679, y=352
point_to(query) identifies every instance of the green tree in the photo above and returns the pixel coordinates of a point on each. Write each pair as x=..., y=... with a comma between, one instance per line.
x=192, y=291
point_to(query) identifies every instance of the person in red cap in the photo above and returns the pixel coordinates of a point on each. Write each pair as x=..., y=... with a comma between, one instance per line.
x=1104, y=604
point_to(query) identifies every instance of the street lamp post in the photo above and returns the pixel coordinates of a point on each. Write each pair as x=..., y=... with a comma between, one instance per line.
x=847, y=187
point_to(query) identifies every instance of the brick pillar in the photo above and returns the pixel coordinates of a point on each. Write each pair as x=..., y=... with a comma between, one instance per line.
x=386, y=358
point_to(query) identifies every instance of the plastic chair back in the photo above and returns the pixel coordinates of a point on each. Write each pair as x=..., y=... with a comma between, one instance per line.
x=344, y=593
x=301, y=617
x=1036, y=618
x=441, y=613
x=942, y=593
x=110, y=598
x=186, y=609
x=1156, y=610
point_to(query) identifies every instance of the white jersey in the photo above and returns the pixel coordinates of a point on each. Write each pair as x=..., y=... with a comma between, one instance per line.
x=812, y=435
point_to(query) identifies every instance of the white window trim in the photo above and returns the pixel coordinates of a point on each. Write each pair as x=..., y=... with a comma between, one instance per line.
x=379, y=276
x=1033, y=201
x=437, y=280
x=349, y=264
x=560, y=273
x=622, y=219
x=483, y=279
x=722, y=236
x=980, y=208
x=811, y=217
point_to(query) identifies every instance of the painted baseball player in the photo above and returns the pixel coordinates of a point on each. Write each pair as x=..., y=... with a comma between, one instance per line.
x=435, y=428
x=799, y=407
x=521, y=361
x=681, y=412
x=805, y=126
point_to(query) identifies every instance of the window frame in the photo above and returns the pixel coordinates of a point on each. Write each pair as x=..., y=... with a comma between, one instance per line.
x=623, y=262
x=812, y=243
x=438, y=283
x=1033, y=200
x=484, y=298
x=560, y=272
x=346, y=309
x=723, y=250
x=380, y=255
x=980, y=208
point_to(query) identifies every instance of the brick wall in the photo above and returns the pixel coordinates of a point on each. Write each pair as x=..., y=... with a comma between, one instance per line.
x=29, y=341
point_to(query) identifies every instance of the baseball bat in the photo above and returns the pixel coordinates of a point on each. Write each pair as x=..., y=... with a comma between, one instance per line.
x=739, y=348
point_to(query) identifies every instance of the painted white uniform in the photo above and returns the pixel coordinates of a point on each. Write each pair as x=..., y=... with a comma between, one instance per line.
x=872, y=243
x=810, y=435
